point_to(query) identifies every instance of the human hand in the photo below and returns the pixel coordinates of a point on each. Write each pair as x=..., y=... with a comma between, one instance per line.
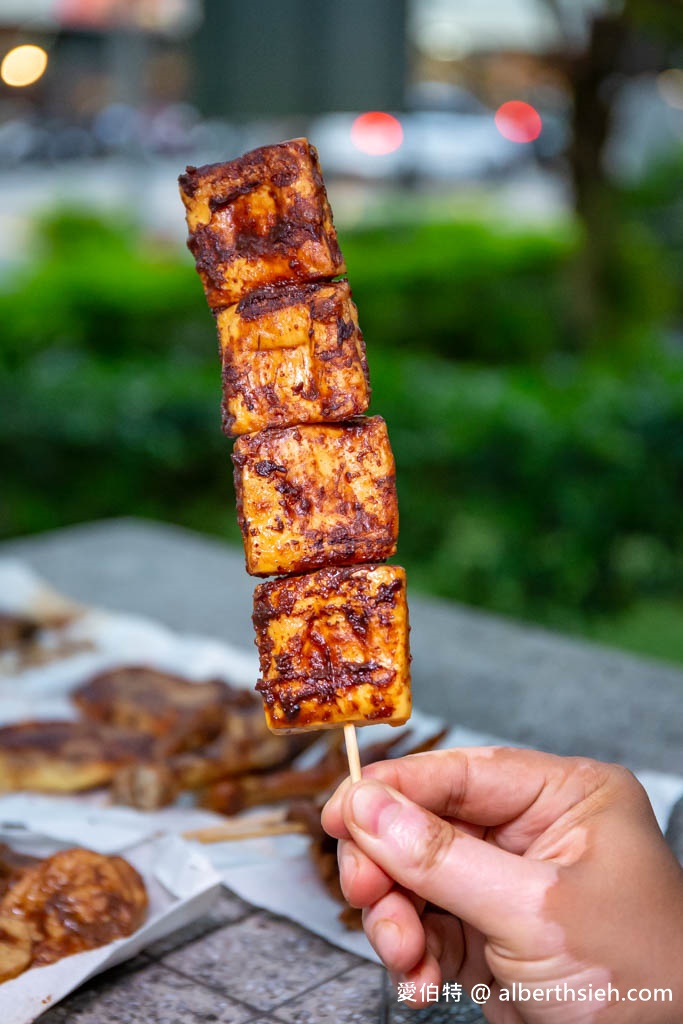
x=498, y=866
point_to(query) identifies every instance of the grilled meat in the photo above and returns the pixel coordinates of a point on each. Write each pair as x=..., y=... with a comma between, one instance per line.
x=137, y=698
x=65, y=756
x=72, y=901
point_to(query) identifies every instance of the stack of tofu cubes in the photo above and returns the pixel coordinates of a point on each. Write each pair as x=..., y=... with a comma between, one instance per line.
x=314, y=477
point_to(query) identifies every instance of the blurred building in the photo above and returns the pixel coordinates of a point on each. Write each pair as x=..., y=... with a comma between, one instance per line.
x=278, y=58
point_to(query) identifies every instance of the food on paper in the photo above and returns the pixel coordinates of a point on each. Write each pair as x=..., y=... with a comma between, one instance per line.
x=65, y=756
x=259, y=220
x=148, y=785
x=72, y=901
x=333, y=648
x=292, y=354
x=185, y=714
x=316, y=495
x=229, y=796
x=13, y=865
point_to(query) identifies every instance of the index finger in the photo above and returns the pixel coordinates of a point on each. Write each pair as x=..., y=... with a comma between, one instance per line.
x=486, y=786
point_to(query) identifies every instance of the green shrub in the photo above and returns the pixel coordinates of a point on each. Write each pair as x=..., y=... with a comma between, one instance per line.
x=462, y=290
x=552, y=493
x=98, y=288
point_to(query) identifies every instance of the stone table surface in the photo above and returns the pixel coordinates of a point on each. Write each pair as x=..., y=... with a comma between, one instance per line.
x=522, y=683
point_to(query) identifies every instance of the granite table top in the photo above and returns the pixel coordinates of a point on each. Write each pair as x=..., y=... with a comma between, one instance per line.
x=239, y=964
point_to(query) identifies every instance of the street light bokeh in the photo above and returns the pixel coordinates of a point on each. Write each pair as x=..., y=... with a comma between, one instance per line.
x=23, y=65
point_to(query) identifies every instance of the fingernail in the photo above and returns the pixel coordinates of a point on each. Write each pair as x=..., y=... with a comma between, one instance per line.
x=386, y=937
x=348, y=862
x=373, y=808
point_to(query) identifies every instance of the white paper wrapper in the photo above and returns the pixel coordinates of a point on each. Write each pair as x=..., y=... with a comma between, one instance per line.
x=181, y=885
x=275, y=874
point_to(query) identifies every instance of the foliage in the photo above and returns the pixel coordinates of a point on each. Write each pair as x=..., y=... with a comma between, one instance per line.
x=551, y=492
x=463, y=290
x=547, y=486
x=655, y=202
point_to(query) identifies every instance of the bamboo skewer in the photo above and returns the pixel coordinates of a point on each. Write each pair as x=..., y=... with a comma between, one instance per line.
x=352, y=754
x=254, y=826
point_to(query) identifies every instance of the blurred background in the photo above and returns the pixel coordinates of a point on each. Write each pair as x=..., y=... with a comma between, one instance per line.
x=506, y=179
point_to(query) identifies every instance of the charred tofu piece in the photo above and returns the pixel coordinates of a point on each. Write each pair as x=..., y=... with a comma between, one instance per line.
x=261, y=219
x=333, y=648
x=315, y=495
x=291, y=355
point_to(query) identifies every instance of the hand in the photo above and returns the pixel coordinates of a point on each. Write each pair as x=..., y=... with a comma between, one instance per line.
x=502, y=866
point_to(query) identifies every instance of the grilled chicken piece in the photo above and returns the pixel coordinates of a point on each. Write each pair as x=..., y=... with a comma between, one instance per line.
x=333, y=648
x=258, y=220
x=64, y=756
x=229, y=796
x=290, y=355
x=245, y=744
x=74, y=900
x=317, y=495
x=154, y=784
x=186, y=714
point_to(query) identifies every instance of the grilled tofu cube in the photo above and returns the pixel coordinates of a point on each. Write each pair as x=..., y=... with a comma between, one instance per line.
x=333, y=648
x=291, y=355
x=314, y=495
x=261, y=219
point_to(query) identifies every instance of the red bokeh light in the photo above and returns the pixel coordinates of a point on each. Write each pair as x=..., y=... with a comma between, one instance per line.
x=376, y=133
x=518, y=121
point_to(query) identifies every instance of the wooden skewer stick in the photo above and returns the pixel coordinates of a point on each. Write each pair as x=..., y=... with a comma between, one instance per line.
x=352, y=754
x=225, y=833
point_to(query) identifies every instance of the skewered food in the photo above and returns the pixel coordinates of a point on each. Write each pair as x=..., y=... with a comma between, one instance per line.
x=65, y=756
x=261, y=219
x=333, y=648
x=292, y=354
x=321, y=494
x=184, y=713
x=333, y=645
x=74, y=900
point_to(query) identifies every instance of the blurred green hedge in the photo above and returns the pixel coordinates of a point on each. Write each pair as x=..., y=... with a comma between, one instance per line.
x=534, y=479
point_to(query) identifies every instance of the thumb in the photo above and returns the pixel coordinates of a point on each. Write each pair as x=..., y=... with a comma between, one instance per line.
x=470, y=878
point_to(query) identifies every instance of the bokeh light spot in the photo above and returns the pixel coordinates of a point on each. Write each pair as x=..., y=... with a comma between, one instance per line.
x=518, y=121
x=670, y=86
x=23, y=65
x=376, y=133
